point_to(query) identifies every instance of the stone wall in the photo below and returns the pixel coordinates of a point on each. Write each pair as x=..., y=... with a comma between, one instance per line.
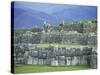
x=75, y=33
x=57, y=56
x=70, y=33
x=61, y=38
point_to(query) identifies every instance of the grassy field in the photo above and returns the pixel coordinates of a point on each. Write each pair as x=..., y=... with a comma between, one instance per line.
x=46, y=68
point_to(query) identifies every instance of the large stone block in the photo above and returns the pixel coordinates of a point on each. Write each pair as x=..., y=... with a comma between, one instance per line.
x=48, y=61
x=35, y=61
x=40, y=61
x=75, y=60
x=54, y=62
x=61, y=60
x=68, y=61
x=93, y=60
x=30, y=60
x=83, y=60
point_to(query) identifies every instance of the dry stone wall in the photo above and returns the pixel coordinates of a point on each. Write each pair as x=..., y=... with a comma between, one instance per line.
x=58, y=56
x=61, y=38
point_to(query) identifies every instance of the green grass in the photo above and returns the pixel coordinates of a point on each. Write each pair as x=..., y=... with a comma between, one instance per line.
x=64, y=32
x=59, y=45
x=46, y=68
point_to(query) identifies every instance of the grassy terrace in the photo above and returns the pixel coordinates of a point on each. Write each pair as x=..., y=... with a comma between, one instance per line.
x=64, y=32
x=46, y=68
x=59, y=45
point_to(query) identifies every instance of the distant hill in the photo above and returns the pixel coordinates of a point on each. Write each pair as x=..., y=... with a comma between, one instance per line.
x=76, y=14
x=26, y=16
